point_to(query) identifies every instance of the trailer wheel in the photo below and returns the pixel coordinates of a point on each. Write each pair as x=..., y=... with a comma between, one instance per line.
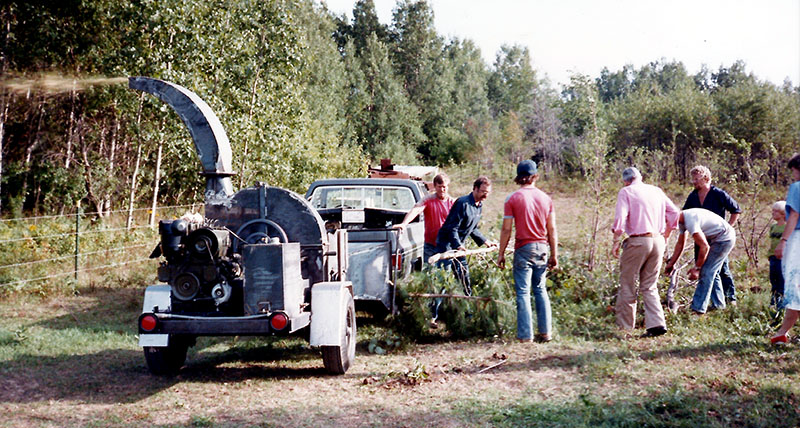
x=337, y=359
x=167, y=360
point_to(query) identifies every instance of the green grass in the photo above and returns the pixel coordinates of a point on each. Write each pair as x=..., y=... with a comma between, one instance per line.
x=69, y=357
x=714, y=371
x=713, y=405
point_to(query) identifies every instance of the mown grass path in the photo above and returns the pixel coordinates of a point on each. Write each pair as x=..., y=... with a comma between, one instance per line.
x=75, y=362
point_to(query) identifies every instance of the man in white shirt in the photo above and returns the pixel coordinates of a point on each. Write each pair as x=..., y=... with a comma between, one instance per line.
x=715, y=239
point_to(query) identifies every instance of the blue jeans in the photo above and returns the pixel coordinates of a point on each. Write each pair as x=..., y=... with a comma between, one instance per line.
x=726, y=277
x=776, y=280
x=530, y=266
x=428, y=250
x=460, y=268
x=709, y=286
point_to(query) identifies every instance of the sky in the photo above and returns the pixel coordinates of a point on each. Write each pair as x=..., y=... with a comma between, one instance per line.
x=583, y=36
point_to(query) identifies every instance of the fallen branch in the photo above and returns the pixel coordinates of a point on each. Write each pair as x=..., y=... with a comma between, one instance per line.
x=455, y=296
x=492, y=366
x=675, y=280
x=452, y=254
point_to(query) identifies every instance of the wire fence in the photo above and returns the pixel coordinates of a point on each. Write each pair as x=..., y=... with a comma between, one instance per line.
x=49, y=252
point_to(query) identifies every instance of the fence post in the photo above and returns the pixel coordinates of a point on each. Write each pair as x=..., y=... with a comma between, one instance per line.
x=77, y=239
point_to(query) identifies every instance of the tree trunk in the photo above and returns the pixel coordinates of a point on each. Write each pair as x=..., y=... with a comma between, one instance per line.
x=71, y=128
x=157, y=178
x=33, y=142
x=111, y=155
x=129, y=221
x=91, y=194
x=6, y=100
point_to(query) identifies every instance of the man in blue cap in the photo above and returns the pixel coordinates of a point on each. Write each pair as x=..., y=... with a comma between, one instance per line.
x=531, y=211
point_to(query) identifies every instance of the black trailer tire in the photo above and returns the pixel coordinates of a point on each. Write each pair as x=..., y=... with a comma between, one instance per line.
x=337, y=359
x=167, y=360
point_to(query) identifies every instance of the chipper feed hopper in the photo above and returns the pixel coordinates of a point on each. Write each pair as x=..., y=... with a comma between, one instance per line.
x=259, y=263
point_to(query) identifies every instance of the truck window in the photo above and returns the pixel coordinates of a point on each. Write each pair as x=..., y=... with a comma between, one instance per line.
x=379, y=197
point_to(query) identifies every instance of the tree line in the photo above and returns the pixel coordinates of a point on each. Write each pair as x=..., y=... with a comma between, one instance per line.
x=304, y=94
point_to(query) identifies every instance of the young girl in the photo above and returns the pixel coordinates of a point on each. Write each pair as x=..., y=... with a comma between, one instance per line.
x=775, y=274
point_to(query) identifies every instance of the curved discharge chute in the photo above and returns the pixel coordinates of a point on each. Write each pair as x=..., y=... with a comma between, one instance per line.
x=210, y=139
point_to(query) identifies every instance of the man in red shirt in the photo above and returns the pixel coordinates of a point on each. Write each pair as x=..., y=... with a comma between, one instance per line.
x=535, y=249
x=435, y=208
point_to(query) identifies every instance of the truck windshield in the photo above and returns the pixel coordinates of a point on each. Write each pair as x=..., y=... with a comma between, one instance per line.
x=383, y=197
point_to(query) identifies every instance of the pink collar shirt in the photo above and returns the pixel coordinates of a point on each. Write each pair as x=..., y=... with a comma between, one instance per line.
x=644, y=208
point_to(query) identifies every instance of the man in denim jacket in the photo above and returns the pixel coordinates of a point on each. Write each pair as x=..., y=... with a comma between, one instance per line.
x=535, y=249
x=461, y=222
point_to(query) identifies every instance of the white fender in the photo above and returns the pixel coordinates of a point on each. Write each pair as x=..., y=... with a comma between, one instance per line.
x=155, y=296
x=328, y=312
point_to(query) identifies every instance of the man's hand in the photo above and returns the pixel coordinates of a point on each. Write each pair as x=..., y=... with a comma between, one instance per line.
x=552, y=263
x=400, y=228
x=668, y=268
x=615, y=249
x=779, y=249
x=694, y=273
x=501, y=261
x=490, y=244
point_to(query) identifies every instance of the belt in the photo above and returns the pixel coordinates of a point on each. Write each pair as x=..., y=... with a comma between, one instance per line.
x=642, y=235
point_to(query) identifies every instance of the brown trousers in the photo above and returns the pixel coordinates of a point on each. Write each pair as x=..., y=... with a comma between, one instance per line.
x=641, y=259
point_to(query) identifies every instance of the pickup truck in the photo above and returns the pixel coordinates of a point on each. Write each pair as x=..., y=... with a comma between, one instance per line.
x=368, y=208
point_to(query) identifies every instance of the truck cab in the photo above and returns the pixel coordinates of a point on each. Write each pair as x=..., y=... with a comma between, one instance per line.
x=368, y=208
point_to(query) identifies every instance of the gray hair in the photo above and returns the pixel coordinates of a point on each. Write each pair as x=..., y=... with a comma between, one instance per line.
x=630, y=174
x=779, y=206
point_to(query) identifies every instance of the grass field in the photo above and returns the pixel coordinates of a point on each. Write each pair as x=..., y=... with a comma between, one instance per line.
x=74, y=361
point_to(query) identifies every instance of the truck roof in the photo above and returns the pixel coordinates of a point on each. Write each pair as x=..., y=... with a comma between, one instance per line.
x=416, y=186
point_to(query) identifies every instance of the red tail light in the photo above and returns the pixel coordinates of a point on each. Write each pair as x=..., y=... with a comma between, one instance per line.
x=398, y=261
x=148, y=322
x=279, y=321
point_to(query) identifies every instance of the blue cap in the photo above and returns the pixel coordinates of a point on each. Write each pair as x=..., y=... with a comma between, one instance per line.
x=526, y=168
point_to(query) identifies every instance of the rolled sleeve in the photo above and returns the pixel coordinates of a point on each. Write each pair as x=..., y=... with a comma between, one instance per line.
x=672, y=213
x=730, y=204
x=621, y=212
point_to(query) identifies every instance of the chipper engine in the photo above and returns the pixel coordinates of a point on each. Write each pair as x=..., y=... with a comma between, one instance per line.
x=259, y=262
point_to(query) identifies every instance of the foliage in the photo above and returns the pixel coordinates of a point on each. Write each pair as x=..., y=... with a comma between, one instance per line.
x=461, y=318
x=379, y=116
x=304, y=94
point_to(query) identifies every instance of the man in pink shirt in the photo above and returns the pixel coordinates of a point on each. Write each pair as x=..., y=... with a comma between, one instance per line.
x=435, y=208
x=647, y=216
x=531, y=212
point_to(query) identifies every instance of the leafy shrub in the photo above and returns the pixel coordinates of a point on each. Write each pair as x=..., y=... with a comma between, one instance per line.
x=461, y=317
